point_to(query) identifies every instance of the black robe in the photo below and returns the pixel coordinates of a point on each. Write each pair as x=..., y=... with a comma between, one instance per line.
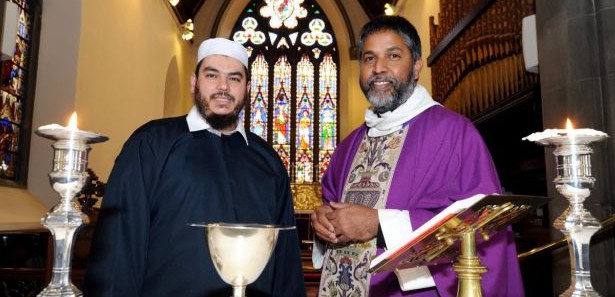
x=167, y=177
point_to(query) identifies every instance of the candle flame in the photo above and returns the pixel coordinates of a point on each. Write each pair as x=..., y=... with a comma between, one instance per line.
x=72, y=123
x=569, y=124
x=570, y=130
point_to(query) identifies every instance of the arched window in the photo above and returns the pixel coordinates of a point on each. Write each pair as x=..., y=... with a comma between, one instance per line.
x=17, y=76
x=293, y=101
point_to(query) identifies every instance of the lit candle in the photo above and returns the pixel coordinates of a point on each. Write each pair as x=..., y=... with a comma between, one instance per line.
x=574, y=154
x=69, y=132
x=72, y=128
x=569, y=133
x=72, y=123
x=569, y=129
x=63, y=131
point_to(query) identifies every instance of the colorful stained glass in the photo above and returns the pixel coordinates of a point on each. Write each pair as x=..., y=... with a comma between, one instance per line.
x=281, y=110
x=328, y=115
x=259, y=92
x=293, y=91
x=283, y=12
x=305, y=122
x=325, y=158
x=250, y=33
x=24, y=25
x=22, y=51
x=316, y=52
x=316, y=34
x=13, y=78
x=284, y=153
x=306, y=127
x=303, y=167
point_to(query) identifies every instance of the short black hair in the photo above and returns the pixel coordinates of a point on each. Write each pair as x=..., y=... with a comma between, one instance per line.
x=396, y=24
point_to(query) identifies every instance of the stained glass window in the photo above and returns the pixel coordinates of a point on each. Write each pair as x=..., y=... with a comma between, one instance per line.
x=294, y=82
x=16, y=97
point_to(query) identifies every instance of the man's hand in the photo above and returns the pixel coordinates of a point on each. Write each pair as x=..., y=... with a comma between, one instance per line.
x=321, y=225
x=341, y=223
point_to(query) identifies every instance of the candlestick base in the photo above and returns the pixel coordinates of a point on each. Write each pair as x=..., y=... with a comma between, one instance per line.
x=64, y=221
x=68, y=290
x=579, y=292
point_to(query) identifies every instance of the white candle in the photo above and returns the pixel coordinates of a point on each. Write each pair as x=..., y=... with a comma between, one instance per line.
x=70, y=132
x=569, y=132
x=574, y=158
x=72, y=128
x=551, y=133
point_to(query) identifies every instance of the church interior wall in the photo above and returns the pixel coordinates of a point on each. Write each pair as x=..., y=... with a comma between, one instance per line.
x=108, y=61
x=122, y=63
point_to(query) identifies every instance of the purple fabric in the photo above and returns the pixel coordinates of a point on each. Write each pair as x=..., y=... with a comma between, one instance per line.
x=444, y=159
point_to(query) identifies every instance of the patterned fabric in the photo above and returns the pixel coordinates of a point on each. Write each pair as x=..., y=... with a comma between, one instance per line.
x=345, y=269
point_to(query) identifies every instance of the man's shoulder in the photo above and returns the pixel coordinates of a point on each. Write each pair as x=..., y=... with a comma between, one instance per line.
x=264, y=149
x=259, y=144
x=256, y=140
x=440, y=122
x=441, y=116
x=444, y=113
x=164, y=129
x=358, y=131
x=164, y=124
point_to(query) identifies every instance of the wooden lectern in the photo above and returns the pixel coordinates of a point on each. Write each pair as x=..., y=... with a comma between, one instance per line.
x=452, y=235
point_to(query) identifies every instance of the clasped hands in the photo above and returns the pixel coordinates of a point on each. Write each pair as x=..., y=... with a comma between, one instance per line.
x=342, y=223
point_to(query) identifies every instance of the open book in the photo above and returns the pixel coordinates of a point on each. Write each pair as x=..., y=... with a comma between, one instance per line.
x=436, y=241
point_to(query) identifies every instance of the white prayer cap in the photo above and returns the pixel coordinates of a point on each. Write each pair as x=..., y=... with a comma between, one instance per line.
x=223, y=46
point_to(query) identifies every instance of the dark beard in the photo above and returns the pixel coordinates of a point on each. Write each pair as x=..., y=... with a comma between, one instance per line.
x=381, y=102
x=216, y=121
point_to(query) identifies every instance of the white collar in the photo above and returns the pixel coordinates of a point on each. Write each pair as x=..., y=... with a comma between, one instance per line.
x=391, y=121
x=196, y=122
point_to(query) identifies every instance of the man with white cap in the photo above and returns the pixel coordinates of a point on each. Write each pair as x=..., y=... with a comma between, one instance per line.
x=199, y=168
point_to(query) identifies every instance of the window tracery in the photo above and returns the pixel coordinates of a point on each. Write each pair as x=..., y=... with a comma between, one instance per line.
x=294, y=82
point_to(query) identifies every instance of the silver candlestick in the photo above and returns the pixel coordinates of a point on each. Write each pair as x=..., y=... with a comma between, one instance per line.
x=574, y=181
x=70, y=161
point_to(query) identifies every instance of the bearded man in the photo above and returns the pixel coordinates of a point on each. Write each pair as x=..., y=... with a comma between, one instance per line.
x=411, y=159
x=199, y=168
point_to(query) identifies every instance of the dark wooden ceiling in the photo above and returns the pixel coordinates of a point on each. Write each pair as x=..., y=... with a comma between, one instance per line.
x=187, y=9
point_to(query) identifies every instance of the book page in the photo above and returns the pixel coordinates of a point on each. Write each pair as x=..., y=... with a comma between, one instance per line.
x=427, y=228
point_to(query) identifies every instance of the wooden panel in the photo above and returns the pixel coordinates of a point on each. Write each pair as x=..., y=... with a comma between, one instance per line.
x=25, y=250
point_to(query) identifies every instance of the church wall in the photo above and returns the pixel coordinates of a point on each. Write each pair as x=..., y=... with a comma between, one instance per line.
x=418, y=13
x=107, y=60
x=119, y=64
x=123, y=72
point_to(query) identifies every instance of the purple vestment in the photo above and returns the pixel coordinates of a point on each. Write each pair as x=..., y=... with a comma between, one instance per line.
x=444, y=159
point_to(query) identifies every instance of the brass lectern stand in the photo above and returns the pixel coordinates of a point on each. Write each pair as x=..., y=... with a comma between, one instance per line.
x=455, y=237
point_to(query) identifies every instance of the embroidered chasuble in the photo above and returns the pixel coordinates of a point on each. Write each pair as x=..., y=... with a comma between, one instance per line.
x=344, y=272
x=443, y=160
